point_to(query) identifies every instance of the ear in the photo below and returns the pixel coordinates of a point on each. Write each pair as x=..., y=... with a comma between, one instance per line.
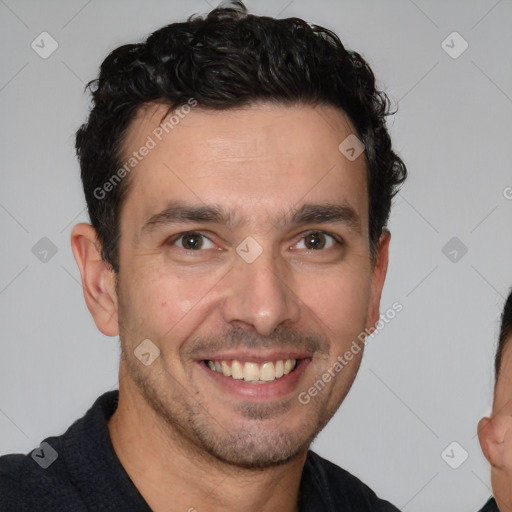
x=98, y=279
x=484, y=436
x=378, y=277
x=495, y=436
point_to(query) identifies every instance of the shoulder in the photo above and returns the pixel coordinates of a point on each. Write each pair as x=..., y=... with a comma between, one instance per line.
x=490, y=506
x=10, y=470
x=36, y=481
x=53, y=475
x=344, y=490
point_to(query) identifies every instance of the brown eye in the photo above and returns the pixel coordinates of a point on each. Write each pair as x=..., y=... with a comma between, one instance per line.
x=193, y=242
x=314, y=240
x=317, y=240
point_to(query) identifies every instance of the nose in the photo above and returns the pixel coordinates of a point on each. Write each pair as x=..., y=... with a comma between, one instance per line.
x=260, y=295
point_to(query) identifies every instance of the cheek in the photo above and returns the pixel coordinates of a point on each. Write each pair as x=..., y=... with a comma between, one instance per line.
x=339, y=302
x=163, y=305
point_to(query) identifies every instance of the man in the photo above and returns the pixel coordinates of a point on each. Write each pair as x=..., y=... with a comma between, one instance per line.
x=239, y=177
x=495, y=433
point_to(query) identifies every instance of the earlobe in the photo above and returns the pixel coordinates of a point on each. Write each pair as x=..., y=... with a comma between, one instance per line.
x=98, y=279
x=495, y=436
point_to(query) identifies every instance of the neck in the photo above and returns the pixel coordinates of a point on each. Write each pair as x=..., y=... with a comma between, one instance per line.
x=166, y=467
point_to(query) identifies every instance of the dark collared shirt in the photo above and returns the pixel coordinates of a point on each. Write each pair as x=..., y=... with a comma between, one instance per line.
x=79, y=471
x=490, y=506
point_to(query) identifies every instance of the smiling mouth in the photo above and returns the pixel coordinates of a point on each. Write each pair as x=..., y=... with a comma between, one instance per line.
x=254, y=373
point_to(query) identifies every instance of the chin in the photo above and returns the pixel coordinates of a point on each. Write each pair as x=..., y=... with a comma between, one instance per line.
x=255, y=444
x=249, y=451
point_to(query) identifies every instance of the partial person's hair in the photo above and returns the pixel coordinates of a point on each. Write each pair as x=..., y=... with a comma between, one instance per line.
x=224, y=60
x=505, y=333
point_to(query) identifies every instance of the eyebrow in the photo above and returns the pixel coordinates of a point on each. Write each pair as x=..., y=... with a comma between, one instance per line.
x=326, y=213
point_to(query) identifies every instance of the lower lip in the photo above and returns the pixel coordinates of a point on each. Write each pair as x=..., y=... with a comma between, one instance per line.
x=271, y=390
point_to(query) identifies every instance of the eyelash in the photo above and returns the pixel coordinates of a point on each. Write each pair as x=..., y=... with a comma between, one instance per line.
x=336, y=239
x=175, y=238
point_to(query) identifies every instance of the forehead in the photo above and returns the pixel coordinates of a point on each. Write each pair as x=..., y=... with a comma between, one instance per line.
x=259, y=158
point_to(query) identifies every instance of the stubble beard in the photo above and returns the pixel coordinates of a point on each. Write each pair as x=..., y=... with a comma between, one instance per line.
x=194, y=428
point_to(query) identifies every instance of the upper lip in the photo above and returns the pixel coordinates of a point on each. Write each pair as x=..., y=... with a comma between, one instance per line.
x=254, y=356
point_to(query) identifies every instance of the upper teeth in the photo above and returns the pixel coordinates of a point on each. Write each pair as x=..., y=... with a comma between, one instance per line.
x=253, y=372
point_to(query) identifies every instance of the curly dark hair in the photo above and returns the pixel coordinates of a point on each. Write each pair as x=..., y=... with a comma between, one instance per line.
x=505, y=333
x=223, y=60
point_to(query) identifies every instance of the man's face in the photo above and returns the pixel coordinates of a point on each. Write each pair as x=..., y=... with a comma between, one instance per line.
x=244, y=247
x=496, y=434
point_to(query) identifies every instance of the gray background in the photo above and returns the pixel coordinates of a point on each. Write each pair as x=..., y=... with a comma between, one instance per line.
x=427, y=377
